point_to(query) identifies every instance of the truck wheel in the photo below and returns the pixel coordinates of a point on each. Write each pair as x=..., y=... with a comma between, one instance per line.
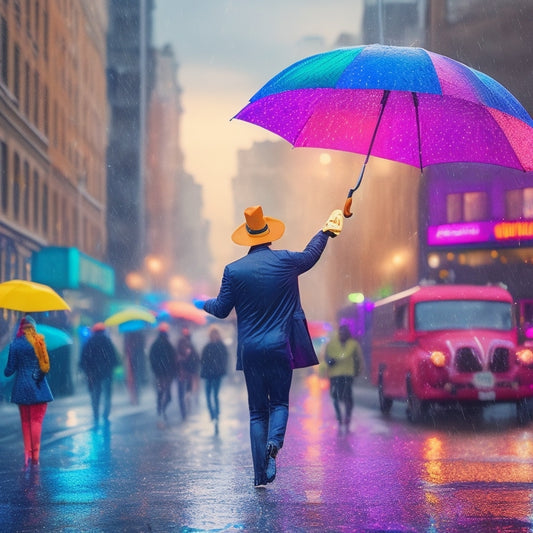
x=385, y=404
x=417, y=409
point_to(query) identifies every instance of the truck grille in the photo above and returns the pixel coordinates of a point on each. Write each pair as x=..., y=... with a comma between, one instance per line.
x=500, y=360
x=467, y=360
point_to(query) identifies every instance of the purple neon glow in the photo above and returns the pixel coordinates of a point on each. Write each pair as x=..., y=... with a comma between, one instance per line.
x=480, y=232
x=471, y=232
x=333, y=100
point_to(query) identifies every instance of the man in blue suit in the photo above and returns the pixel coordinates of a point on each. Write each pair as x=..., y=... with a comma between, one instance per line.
x=273, y=338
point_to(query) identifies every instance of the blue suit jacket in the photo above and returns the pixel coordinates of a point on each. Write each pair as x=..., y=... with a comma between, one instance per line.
x=263, y=288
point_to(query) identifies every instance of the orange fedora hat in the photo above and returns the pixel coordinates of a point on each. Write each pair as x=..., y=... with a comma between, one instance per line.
x=258, y=229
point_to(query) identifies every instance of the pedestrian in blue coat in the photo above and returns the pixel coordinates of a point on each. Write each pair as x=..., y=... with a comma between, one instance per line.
x=28, y=359
x=272, y=332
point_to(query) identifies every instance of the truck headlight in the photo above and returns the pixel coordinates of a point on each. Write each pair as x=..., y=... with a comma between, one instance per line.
x=525, y=357
x=439, y=359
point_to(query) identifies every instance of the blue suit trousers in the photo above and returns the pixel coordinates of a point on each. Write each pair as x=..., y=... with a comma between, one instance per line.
x=268, y=376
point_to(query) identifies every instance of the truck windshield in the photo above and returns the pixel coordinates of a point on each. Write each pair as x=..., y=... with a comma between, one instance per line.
x=463, y=314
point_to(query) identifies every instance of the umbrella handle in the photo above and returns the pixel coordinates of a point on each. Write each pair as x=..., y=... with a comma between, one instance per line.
x=347, y=205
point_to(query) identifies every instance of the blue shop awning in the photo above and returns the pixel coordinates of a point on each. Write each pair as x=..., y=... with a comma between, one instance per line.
x=68, y=268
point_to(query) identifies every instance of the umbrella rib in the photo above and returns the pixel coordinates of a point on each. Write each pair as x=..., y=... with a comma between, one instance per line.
x=415, y=102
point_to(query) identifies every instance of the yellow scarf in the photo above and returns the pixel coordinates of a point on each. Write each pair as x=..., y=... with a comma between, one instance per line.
x=37, y=341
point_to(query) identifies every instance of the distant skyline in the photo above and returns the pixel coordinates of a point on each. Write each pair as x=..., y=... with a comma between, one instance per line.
x=226, y=50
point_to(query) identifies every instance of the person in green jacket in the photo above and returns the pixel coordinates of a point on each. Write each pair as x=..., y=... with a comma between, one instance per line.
x=344, y=359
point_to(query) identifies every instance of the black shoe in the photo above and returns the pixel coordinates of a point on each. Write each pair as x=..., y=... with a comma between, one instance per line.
x=272, y=451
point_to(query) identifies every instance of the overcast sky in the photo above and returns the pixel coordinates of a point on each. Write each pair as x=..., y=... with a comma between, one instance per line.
x=226, y=50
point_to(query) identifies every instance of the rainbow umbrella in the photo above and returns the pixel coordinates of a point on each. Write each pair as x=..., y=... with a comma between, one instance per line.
x=399, y=103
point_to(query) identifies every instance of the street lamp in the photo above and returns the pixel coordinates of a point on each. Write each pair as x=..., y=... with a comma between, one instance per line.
x=135, y=281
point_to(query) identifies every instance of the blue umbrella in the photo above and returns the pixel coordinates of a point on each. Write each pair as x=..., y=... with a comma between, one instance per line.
x=53, y=337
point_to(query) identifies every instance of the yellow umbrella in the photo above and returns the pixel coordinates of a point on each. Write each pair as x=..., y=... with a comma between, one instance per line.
x=30, y=297
x=129, y=314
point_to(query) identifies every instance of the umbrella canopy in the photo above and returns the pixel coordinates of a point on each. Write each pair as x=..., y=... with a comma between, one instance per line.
x=398, y=103
x=130, y=314
x=30, y=297
x=53, y=337
x=185, y=311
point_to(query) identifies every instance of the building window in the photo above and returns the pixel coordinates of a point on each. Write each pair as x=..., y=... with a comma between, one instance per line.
x=27, y=89
x=513, y=204
x=475, y=206
x=16, y=73
x=16, y=186
x=44, y=211
x=26, y=194
x=37, y=21
x=454, y=208
x=528, y=203
x=45, y=36
x=4, y=176
x=55, y=218
x=45, y=111
x=4, y=55
x=519, y=203
x=36, y=199
x=36, y=99
x=64, y=228
x=16, y=5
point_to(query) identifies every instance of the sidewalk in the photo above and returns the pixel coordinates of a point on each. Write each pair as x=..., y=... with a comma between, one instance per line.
x=70, y=414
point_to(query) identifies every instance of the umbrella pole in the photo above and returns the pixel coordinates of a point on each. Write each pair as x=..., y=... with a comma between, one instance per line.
x=415, y=102
x=348, y=204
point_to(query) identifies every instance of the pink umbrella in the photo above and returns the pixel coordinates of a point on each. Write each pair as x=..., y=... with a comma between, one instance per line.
x=185, y=311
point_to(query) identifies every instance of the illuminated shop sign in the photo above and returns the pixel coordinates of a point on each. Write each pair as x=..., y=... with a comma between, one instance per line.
x=480, y=232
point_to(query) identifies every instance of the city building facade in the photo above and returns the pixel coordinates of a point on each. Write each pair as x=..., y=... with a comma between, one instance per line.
x=130, y=81
x=53, y=135
x=177, y=257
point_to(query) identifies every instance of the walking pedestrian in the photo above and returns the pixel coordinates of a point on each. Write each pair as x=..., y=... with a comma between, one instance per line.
x=188, y=370
x=134, y=355
x=163, y=362
x=273, y=338
x=28, y=359
x=213, y=367
x=344, y=359
x=98, y=359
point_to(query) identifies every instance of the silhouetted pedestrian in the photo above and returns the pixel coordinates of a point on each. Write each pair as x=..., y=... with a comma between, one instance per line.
x=214, y=362
x=134, y=354
x=188, y=370
x=163, y=362
x=98, y=360
x=345, y=360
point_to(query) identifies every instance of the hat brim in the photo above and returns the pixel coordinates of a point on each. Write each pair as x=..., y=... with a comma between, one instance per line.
x=276, y=228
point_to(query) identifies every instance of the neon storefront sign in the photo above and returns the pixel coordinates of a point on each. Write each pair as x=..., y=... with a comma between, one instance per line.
x=480, y=232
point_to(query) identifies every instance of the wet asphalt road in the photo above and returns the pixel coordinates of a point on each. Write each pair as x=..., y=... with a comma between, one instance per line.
x=384, y=475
